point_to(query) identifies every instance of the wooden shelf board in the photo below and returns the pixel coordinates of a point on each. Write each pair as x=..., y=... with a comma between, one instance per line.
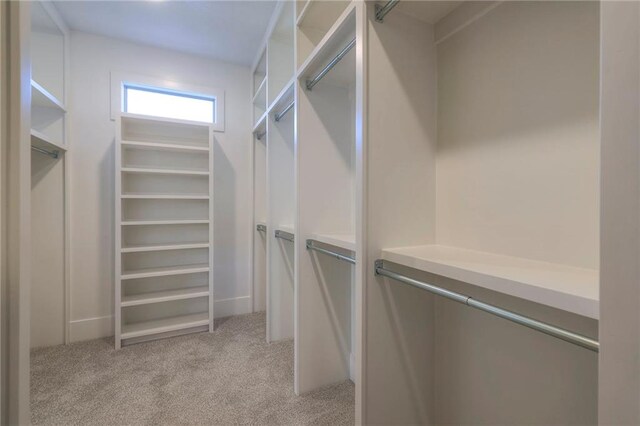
x=165, y=296
x=163, y=247
x=164, y=325
x=345, y=241
x=42, y=98
x=261, y=87
x=260, y=124
x=42, y=141
x=563, y=287
x=165, y=271
x=164, y=197
x=341, y=33
x=163, y=146
x=284, y=98
x=164, y=222
x=141, y=117
x=164, y=171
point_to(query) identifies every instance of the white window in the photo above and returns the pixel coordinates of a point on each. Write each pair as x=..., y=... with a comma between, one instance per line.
x=145, y=95
x=168, y=104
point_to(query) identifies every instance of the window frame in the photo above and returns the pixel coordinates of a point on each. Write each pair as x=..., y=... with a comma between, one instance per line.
x=120, y=81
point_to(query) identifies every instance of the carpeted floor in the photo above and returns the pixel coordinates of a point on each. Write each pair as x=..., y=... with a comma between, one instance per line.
x=229, y=377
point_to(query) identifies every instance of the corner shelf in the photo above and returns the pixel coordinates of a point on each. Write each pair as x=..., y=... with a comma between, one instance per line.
x=568, y=288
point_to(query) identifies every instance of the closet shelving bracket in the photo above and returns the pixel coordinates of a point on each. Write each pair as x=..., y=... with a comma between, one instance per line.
x=551, y=330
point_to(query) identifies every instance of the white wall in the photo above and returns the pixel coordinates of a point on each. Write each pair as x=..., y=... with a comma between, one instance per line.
x=92, y=182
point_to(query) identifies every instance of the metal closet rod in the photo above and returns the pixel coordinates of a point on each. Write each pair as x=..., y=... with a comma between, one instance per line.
x=282, y=113
x=381, y=11
x=284, y=235
x=334, y=61
x=53, y=154
x=542, y=327
x=261, y=228
x=311, y=246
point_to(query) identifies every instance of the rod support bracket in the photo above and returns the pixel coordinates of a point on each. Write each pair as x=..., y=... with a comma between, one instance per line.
x=378, y=264
x=309, y=244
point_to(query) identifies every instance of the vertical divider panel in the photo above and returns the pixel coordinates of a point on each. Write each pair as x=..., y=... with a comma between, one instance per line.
x=280, y=216
x=118, y=237
x=397, y=327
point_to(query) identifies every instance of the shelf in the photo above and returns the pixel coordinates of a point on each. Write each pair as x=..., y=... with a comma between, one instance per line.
x=340, y=34
x=286, y=228
x=165, y=271
x=163, y=146
x=163, y=171
x=165, y=222
x=262, y=86
x=563, y=287
x=163, y=247
x=165, y=296
x=157, y=119
x=344, y=241
x=42, y=141
x=42, y=98
x=164, y=325
x=164, y=197
x=320, y=14
x=260, y=124
x=284, y=97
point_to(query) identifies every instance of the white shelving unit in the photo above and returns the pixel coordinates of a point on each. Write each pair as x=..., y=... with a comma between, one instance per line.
x=50, y=236
x=164, y=241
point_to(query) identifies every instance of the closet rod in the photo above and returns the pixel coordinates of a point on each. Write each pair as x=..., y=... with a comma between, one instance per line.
x=284, y=235
x=261, y=228
x=311, y=246
x=260, y=135
x=381, y=11
x=542, y=327
x=282, y=113
x=334, y=61
x=53, y=154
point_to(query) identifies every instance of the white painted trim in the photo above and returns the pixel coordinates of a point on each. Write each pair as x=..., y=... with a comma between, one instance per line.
x=99, y=327
x=90, y=328
x=119, y=77
x=234, y=306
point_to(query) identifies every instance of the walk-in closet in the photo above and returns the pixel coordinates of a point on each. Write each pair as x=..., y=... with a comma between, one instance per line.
x=320, y=212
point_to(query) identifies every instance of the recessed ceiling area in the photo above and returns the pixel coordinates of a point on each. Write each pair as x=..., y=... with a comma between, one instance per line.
x=229, y=31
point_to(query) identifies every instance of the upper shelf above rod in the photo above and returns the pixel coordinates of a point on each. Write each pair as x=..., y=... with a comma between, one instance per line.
x=381, y=11
x=315, y=80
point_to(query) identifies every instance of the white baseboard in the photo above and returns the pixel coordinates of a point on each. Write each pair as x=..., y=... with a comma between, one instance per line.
x=96, y=328
x=228, y=307
x=90, y=328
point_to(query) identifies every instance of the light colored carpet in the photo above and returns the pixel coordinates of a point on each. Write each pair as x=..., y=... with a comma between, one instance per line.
x=229, y=377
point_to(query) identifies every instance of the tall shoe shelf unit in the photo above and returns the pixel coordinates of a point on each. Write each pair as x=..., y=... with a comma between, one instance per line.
x=164, y=232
